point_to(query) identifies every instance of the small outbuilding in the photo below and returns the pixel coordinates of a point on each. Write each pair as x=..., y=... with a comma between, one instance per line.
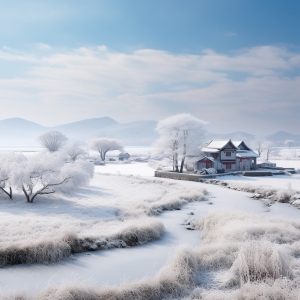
x=123, y=156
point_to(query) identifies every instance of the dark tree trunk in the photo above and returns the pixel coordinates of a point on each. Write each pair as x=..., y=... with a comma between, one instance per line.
x=182, y=164
x=9, y=194
x=176, y=162
x=26, y=194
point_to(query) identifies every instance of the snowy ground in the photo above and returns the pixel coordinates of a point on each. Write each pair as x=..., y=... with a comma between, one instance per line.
x=288, y=163
x=112, y=207
x=276, y=181
x=138, y=169
x=283, y=153
x=134, y=197
x=292, y=153
x=109, y=266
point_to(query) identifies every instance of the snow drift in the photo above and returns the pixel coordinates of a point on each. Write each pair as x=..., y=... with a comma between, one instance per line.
x=269, y=190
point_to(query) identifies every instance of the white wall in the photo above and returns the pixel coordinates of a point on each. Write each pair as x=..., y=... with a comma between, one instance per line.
x=231, y=157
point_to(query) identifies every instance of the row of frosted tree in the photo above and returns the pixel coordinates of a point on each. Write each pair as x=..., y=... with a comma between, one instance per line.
x=62, y=167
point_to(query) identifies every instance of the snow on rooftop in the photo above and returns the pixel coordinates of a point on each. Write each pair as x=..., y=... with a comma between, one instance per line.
x=217, y=144
x=246, y=153
x=207, y=157
x=210, y=150
x=237, y=143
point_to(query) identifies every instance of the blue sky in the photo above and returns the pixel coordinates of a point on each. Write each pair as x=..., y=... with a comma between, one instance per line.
x=232, y=63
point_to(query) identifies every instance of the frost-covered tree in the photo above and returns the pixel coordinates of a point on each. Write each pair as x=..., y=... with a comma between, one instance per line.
x=270, y=149
x=52, y=140
x=74, y=150
x=8, y=165
x=167, y=147
x=289, y=143
x=104, y=145
x=47, y=173
x=260, y=145
x=182, y=134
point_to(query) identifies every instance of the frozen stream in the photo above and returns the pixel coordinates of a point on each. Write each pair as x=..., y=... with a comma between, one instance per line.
x=115, y=266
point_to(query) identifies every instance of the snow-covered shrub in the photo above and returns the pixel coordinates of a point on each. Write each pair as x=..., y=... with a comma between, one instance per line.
x=258, y=261
x=280, y=289
x=8, y=165
x=47, y=173
x=235, y=226
x=51, y=249
x=43, y=250
x=52, y=140
x=74, y=150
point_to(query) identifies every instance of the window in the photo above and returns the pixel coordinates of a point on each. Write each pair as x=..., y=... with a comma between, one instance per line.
x=228, y=153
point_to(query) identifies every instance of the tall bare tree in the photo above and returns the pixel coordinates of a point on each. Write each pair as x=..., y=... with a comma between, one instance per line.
x=259, y=145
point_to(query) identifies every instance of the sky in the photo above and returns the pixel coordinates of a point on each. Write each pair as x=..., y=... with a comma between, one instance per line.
x=234, y=64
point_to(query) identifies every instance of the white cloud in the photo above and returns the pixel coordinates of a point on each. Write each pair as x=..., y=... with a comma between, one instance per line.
x=42, y=46
x=61, y=86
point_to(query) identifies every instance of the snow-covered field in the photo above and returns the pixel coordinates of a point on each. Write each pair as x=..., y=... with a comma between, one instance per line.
x=245, y=249
x=113, y=211
x=292, y=153
x=288, y=163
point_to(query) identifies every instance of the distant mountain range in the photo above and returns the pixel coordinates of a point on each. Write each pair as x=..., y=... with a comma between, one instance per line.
x=17, y=132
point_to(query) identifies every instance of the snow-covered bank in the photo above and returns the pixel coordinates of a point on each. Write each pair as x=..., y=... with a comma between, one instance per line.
x=112, y=267
x=291, y=182
x=277, y=188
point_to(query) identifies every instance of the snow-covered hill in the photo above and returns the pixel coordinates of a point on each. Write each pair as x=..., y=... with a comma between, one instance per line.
x=280, y=137
x=81, y=128
x=20, y=132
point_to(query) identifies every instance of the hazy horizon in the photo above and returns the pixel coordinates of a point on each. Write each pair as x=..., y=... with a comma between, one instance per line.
x=208, y=132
